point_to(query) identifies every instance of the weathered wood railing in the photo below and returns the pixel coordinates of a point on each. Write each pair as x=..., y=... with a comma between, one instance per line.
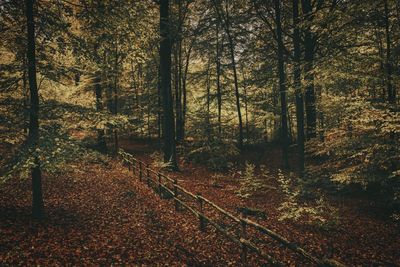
x=164, y=185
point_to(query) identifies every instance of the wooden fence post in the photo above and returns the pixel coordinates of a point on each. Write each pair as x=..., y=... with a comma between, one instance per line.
x=202, y=224
x=134, y=166
x=140, y=171
x=243, y=256
x=176, y=195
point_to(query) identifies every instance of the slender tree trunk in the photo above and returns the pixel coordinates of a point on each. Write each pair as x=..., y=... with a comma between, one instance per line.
x=116, y=95
x=389, y=83
x=101, y=142
x=179, y=63
x=165, y=69
x=245, y=104
x=237, y=95
x=26, y=94
x=184, y=80
x=33, y=137
x=309, y=51
x=208, y=87
x=225, y=20
x=149, y=102
x=159, y=107
x=381, y=63
x=218, y=67
x=297, y=86
x=178, y=90
x=282, y=85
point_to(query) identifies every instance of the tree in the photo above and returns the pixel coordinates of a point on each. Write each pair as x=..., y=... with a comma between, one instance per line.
x=282, y=86
x=309, y=55
x=391, y=92
x=297, y=85
x=165, y=72
x=225, y=20
x=33, y=137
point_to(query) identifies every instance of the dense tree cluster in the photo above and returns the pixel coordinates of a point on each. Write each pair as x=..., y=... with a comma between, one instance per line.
x=214, y=76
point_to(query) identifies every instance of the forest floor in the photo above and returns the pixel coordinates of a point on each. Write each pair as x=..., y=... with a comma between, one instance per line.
x=99, y=214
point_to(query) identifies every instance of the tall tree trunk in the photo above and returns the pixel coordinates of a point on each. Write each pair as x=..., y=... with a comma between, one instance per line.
x=245, y=104
x=282, y=85
x=178, y=90
x=33, y=137
x=101, y=142
x=309, y=53
x=149, y=103
x=297, y=86
x=179, y=63
x=381, y=63
x=218, y=67
x=225, y=20
x=237, y=95
x=184, y=80
x=389, y=83
x=165, y=69
x=159, y=106
x=26, y=94
x=116, y=95
x=208, y=99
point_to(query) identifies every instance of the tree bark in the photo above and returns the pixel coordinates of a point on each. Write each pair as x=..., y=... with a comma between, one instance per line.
x=282, y=85
x=225, y=20
x=184, y=80
x=116, y=96
x=165, y=69
x=389, y=83
x=297, y=86
x=33, y=137
x=309, y=53
x=101, y=142
x=218, y=68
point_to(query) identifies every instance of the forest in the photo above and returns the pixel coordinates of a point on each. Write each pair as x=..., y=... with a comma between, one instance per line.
x=199, y=133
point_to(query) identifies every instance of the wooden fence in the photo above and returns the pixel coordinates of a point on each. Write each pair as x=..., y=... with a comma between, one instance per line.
x=195, y=203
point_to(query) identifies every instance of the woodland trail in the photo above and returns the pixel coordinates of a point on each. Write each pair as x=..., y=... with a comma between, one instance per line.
x=99, y=215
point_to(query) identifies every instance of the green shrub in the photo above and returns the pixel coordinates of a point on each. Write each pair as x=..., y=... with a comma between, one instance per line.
x=250, y=183
x=317, y=213
x=214, y=153
x=361, y=147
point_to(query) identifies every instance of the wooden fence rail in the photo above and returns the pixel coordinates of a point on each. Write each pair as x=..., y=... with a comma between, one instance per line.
x=166, y=185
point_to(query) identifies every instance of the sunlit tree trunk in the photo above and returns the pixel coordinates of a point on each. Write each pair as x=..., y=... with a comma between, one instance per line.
x=282, y=86
x=33, y=137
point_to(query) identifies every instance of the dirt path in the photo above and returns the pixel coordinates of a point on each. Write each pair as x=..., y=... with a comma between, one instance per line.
x=99, y=215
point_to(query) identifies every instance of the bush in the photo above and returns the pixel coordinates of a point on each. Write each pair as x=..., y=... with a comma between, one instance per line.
x=318, y=213
x=250, y=183
x=215, y=153
x=361, y=147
